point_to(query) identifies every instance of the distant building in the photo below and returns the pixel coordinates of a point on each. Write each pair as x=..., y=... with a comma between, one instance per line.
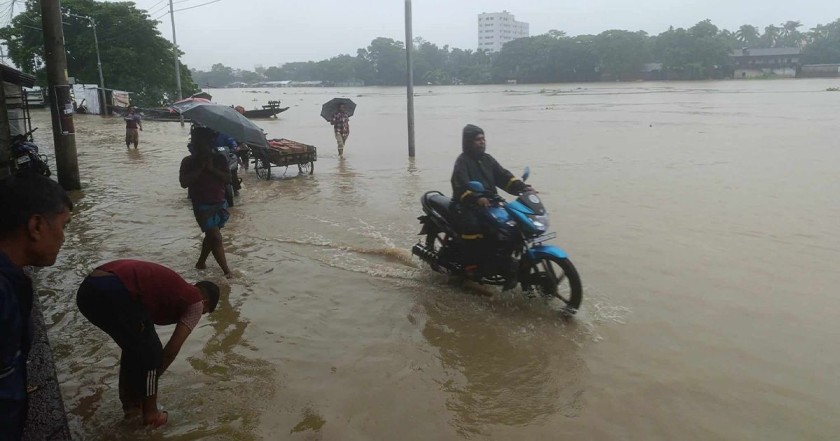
x=774, y=61
x=497, y=28
x=820, y=71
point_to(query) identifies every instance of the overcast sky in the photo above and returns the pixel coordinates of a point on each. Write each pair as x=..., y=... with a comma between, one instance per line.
x=245, y=33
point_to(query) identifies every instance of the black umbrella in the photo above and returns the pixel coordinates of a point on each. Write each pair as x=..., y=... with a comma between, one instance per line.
x=330, y=107
x=223, y=119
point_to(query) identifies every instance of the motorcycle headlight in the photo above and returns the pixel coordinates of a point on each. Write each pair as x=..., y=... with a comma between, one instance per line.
x=541, y=222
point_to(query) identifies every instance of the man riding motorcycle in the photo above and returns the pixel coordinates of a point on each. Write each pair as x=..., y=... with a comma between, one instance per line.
x=480, y=244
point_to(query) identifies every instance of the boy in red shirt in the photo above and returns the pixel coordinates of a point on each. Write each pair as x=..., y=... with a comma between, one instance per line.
x=126, y=299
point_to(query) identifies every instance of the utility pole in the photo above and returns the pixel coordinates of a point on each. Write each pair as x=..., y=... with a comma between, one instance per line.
x=104, y=110
x=104, y=106
x=177, y=60
x=66, y=161
x=409, y=47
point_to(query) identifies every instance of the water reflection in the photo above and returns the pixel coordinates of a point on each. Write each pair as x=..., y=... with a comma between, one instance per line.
x=347, y=185
x=508, y=364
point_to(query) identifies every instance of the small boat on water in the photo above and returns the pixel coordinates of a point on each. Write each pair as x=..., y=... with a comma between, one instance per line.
x=268, y=111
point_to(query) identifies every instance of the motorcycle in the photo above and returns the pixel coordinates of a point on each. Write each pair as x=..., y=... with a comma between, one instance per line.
x=26, y=157
x=231, y=189
x=521, y=256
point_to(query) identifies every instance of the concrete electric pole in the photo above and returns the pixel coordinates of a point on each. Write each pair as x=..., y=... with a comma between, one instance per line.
x=61, y=106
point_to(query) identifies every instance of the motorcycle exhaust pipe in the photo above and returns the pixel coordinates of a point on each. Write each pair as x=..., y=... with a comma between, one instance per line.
x=433, y=259
x=425, y=254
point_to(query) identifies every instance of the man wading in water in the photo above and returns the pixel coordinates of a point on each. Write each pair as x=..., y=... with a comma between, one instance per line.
x=133, y=127
x=205, y=175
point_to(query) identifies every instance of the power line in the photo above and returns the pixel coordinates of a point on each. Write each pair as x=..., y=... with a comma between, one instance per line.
x=197, y=6
x=155, y=5
x=184, y=9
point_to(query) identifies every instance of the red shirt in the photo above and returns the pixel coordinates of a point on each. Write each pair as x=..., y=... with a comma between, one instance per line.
x=165, y=295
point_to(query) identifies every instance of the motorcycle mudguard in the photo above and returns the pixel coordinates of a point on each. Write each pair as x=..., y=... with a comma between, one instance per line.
x=541, y=251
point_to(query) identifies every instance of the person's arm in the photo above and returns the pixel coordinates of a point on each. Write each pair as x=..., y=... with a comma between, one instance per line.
x=173, y=346
x=140, y=123
x=190, y=172
x=506, y=180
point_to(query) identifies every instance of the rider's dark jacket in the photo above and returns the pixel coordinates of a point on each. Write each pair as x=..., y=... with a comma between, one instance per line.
x=485, y=169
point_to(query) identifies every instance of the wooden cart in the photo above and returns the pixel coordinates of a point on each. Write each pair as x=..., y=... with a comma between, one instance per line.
x=283, y=153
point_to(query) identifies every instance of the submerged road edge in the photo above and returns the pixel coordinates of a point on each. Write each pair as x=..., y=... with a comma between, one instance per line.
x=47, y=419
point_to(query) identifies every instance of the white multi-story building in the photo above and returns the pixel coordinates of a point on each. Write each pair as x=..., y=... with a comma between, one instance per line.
x=497, y=28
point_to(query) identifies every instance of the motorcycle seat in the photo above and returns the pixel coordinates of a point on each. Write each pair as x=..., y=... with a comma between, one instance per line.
x=438, y=202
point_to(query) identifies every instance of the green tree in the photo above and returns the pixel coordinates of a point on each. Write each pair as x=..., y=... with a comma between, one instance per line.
x=622, y=53
x=823, y=46
x=387, y=58
x=770, y=38
x=748, y=35
x=135, y=57
x=790, y=35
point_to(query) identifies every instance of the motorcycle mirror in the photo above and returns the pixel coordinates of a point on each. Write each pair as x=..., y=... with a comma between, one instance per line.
x=526, y=173
x=476, y=186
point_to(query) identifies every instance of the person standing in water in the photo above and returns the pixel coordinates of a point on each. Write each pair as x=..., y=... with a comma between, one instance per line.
x=341, y=124
x=133, y=127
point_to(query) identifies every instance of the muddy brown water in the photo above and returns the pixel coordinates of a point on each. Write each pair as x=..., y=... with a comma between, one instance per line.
x=702, y=217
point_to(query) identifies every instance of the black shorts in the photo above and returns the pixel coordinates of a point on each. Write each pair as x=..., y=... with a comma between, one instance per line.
x=107, y=304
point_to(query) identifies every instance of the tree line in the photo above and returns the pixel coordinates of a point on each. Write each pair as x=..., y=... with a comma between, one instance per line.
x=136, y=57
x=699, y=52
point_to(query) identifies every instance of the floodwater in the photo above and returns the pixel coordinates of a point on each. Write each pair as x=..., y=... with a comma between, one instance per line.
x=702, y=217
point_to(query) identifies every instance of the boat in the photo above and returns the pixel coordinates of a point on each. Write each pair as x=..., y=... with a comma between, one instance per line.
x=268, y=111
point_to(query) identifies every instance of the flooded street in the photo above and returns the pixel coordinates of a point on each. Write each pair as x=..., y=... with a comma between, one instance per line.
x=702, y=218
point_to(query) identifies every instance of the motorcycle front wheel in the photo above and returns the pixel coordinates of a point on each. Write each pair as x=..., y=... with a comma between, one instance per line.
x=554, y=277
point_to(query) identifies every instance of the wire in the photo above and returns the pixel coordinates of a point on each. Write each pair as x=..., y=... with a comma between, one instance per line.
x=198, y=6
x=154, y=5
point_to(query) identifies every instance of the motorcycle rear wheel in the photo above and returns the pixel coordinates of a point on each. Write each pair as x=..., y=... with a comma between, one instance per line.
x=558, y=278
x=229, y=194
x=435, y=242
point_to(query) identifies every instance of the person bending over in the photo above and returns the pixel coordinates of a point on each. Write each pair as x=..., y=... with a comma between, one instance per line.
x=126, y=299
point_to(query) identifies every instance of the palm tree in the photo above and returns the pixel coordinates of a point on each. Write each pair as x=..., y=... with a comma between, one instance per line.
x=747, y=34
x=790, y=34
x=771, y=36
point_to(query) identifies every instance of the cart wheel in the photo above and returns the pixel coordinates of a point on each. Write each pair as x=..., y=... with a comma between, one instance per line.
x=262, y=167
x=306, y=168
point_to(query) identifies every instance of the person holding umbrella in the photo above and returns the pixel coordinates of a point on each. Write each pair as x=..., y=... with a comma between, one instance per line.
x=337, y=112
x=206, y=175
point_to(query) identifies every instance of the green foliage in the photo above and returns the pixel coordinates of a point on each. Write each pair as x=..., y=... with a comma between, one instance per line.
x=135, y=57
x=823, y=45
x=699, y=52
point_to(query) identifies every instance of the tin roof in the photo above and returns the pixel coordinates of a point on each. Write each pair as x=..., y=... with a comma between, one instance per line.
x=12, y=75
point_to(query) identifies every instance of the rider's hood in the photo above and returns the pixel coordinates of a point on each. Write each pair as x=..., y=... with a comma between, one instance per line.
x=468, y=137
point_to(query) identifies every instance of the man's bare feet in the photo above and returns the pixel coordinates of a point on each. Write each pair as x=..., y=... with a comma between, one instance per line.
x=229, y=275
x=200, y=265
x=160, y=419
x=133, y=411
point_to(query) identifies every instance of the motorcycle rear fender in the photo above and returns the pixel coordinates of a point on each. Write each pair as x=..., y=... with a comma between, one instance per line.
x=542, y=251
